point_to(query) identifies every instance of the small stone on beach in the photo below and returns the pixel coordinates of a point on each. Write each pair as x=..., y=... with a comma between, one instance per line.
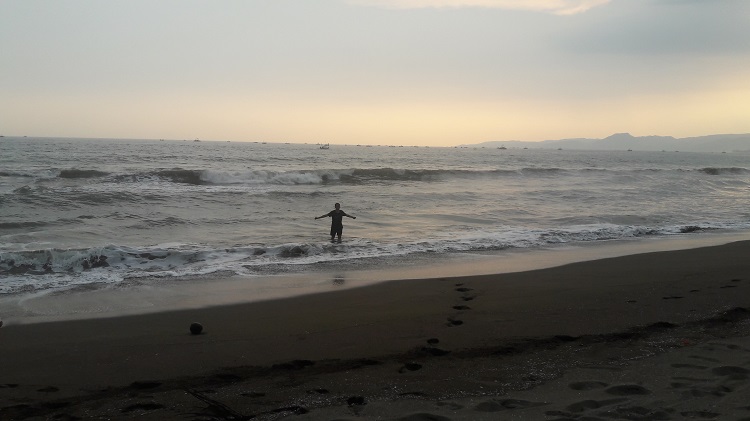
x=196, y=328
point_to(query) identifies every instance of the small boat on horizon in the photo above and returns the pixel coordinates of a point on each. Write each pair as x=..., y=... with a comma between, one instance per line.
x=326, y=146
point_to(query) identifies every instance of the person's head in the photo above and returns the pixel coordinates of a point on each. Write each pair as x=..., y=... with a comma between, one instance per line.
x=337, y=205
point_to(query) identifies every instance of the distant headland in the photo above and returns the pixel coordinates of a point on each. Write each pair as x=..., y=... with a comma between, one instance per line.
x=626, y=141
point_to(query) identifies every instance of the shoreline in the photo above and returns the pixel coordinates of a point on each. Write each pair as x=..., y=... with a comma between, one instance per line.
x=456, y=347
x=148, y=296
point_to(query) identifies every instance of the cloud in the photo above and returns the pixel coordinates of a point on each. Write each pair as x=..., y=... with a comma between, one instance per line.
x=664, y=27
x=558, y=7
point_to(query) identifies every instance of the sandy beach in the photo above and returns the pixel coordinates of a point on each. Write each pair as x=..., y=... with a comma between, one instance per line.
x=654, y=336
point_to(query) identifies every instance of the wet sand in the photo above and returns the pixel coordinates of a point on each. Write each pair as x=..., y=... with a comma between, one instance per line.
x=651, y=336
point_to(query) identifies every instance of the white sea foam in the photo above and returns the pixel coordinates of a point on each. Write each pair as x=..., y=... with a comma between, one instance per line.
x=56, y=269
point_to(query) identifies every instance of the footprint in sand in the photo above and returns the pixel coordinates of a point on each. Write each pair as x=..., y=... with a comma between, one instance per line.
x=253, y=394
x=410, y=367
x=699, y=392
x=293, y=365
x=356, y=400
x=693, y=366
x=587, y=385
x=148, y=406
x=461, y=308
x=640, y=413
x=566, y=415
x=628, y=390
x=672, y=297
x=504, y=405
x=294, y=409
x=436, y=352
x=737, y=347
x=454, y=322
x=702, y=358
x=424, y=417
x=450, y=405
x=700, y=414
x=58, y=405
x=228, y=377
x=679, y=385
x=413, y=394
x=592, y=404
x=691, y=379
x=465, y=297
x=735, y=372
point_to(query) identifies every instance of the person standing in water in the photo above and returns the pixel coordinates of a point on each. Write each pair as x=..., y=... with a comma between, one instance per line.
x=337, y=224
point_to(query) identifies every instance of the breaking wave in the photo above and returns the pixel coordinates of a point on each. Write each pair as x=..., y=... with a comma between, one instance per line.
x=75, y=173
x=724, y=171
x=344, y=176
x=51, y=269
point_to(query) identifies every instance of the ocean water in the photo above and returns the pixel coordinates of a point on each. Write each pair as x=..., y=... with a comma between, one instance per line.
x=99, y=212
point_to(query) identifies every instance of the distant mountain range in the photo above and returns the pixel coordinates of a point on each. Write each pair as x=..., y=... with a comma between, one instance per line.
x=626, y=141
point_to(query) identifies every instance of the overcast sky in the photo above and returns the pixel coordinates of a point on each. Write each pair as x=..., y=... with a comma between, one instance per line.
x=411, y=72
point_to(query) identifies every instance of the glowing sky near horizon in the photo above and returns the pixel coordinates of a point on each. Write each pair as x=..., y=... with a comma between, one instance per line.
x=411, y=72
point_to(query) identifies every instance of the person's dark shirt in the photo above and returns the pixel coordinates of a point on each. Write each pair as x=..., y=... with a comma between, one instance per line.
x=337, y=217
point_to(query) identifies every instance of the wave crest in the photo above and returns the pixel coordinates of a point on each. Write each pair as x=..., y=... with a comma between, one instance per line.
x=724, y=171
x=354, y=176
x=76, y=173
x=179, y=175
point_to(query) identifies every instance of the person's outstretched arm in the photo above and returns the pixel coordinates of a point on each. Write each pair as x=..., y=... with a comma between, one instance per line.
x=322, y=216
x=353, y=217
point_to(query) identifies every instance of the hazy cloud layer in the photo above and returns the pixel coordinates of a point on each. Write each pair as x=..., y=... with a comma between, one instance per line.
x=434, y=72
x=559, y=7
x=670, y=27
